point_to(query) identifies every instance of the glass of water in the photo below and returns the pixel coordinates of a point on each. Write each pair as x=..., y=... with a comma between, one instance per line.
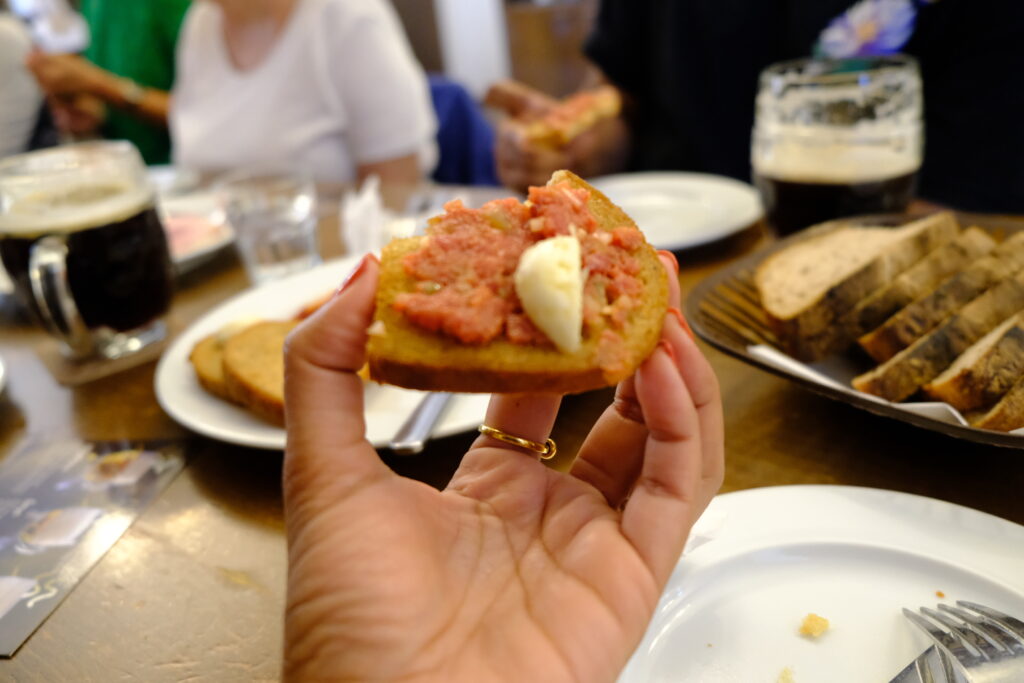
x=273, y=213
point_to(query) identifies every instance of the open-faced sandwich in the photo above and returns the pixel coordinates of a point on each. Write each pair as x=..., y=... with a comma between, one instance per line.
x=559, y=294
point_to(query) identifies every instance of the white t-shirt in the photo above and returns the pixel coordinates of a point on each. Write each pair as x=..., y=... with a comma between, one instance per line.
x=20, y=98
x=340, y=87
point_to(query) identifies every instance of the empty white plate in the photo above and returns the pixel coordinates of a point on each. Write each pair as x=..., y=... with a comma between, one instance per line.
x=678, y=210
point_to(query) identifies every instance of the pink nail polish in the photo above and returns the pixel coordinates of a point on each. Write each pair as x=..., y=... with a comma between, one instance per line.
x=668, y=349
x=682, y=321
x=356, y=272
x=670, y=255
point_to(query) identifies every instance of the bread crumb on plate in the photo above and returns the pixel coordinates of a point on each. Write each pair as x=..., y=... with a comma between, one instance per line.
x=813, y=625
x=786, y=676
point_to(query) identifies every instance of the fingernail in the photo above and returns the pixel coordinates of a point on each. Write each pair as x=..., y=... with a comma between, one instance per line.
x=670, y=255
x=668, y=349
x=356, y=272
x=682, y=321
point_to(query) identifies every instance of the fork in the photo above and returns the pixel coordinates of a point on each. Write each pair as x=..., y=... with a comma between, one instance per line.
x=987, y=644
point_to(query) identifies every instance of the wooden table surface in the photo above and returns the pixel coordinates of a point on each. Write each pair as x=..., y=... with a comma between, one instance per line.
x=194, y=590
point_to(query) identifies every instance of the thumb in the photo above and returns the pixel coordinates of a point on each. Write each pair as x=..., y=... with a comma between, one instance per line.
x=323, y=393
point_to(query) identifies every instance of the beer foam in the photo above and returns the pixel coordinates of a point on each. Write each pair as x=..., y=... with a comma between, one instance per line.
x=835, y=164
x=72, y=207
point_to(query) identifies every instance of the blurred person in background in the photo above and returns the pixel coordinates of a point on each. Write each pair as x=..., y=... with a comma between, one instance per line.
x=331, y=85
x=688, y=71
x=20, y=97
x=118, y=87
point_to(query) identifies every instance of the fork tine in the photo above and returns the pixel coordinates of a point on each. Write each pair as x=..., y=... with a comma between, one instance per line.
x=977, y=639
x=991, y=632
x=1010, y=629
x=1011, y=624
x=953, y=645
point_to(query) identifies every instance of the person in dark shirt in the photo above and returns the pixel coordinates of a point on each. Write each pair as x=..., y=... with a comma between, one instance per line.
x=689, y=71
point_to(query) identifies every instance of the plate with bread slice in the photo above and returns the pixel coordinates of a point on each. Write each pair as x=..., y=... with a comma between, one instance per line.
x=223, y=377
x=916, y=318
x=678, y=210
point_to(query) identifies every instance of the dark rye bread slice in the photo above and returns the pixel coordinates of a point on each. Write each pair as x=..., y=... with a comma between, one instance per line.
x=915, y=282
x=1004, y=416
x=913, y=367
x=403, y=354
x=914, y=320
x=812, y=283
x=984, y=372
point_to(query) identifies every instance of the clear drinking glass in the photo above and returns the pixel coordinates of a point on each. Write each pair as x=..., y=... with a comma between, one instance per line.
x=82, y=242
x=836, y=138
x=274, y=215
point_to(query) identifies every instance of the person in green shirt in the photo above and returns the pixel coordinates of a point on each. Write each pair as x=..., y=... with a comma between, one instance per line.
x=118, y=87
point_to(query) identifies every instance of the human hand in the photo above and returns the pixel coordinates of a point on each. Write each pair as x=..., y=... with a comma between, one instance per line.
x=522, y=162
x=79, y=116
x=514, y=571
x=64, y=75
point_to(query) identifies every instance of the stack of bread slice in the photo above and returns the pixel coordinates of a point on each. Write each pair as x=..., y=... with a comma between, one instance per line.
x=246, y=366
x=940, y=309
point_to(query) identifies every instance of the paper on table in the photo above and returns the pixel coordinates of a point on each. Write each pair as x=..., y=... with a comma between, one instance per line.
x=837, y=374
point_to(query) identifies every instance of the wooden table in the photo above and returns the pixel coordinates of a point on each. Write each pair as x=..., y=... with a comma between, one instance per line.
x=194, y=590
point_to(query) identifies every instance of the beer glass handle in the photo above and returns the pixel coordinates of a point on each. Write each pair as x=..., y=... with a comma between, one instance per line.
x=48, y=274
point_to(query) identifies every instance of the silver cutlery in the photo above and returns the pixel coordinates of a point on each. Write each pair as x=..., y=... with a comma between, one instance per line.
x=980, y=644
x=412, y=436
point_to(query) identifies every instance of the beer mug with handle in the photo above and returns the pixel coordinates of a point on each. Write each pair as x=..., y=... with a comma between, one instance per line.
x=836, y=137
x=82, y=242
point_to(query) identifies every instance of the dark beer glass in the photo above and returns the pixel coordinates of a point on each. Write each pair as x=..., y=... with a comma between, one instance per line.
x=836, y=138
x=81, y=241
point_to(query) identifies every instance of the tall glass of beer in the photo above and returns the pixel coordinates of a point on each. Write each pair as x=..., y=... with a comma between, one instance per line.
x=81, y=240
x=836, y=138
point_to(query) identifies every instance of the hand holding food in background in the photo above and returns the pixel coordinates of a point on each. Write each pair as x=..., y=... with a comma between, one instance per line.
x=584, y=133
x=515, y=570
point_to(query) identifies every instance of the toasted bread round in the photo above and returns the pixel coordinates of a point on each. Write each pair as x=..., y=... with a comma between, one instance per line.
x=400, y=353
x=207, y=359
x=254, y=368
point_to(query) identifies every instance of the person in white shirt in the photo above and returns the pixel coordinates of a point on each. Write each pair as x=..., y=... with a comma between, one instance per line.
x=329, y=85
x=20, y=97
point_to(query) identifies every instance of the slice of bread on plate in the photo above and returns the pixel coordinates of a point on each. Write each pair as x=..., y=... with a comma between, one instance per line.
x=918, y=280
x=254, y=368
x=984, y=372
x=1004, y=416
x=207, y=359
x=809, y=285
x=917, y=318
x=912, y=368
x=472, y=306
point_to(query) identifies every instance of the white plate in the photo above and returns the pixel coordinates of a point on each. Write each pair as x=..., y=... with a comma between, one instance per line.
x=181, y=396
x=679, y=210
x=760, y=560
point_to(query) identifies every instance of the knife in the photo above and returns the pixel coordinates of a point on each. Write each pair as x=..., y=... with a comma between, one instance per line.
x=412, y=436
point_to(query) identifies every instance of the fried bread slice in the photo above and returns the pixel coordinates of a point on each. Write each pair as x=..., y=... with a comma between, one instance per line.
x=403, y=353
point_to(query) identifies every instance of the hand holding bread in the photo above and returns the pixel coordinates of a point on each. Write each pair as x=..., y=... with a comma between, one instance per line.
x=390, y=578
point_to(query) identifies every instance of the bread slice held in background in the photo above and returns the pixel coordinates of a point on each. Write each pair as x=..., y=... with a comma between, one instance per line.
x=808, y=286
x=561, y=294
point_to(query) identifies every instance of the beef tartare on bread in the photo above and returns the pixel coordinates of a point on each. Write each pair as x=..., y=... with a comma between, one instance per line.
x=559, y=294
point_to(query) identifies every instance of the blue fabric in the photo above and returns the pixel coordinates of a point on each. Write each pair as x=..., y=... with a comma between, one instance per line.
x=465, y=139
